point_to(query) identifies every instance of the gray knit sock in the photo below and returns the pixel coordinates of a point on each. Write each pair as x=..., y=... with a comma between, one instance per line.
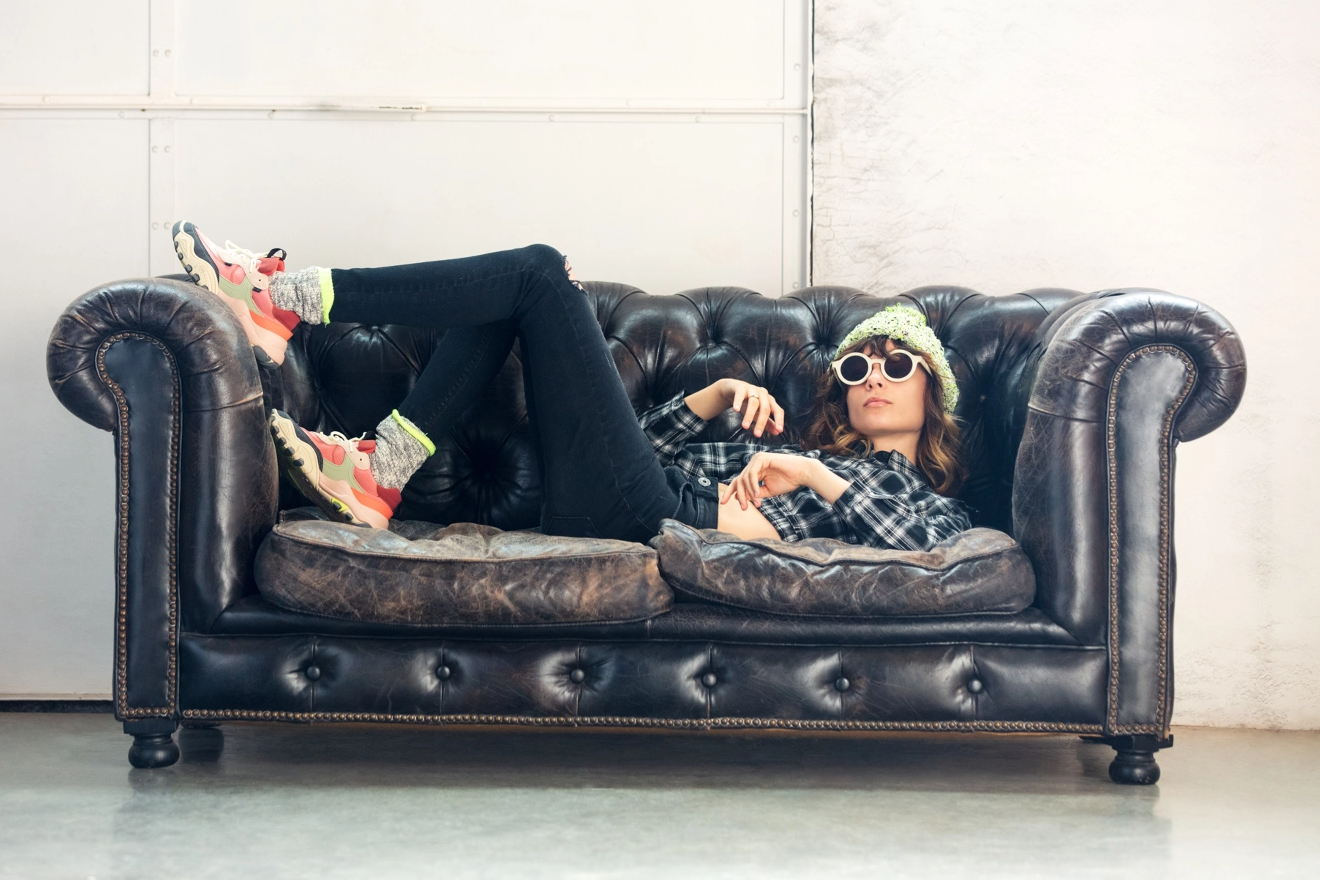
x=399, y=452
x=300, y=292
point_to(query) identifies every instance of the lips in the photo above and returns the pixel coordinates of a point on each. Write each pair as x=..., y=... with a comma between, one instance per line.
x=877, y=401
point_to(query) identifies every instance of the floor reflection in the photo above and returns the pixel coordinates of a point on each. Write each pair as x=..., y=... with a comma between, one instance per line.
x=322, y=801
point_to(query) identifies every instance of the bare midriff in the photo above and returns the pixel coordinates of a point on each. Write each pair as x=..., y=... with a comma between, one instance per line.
x=749, y=523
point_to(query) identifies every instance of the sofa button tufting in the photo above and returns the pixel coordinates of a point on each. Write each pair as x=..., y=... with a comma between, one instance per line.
x=975, y=686
x=709, y=679
x=443, y=673
x=312, y=672
x=842, y=684
x=577, y=676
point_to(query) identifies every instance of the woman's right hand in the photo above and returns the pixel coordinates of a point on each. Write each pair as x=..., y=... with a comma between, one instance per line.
x=757, y=406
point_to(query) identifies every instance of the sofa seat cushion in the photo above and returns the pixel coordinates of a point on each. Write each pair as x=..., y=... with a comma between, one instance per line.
x=424, y=574
x=978, y=571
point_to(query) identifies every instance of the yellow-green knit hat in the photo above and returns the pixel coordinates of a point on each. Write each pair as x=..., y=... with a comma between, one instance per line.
x=906, y=324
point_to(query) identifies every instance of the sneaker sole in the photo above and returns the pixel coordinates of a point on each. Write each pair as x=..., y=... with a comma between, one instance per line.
x=298, y=460
x=199, y=266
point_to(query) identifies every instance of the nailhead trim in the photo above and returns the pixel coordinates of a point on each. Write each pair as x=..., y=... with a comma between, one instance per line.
x=1112, y=727
x=122, y=709
x=627, y=721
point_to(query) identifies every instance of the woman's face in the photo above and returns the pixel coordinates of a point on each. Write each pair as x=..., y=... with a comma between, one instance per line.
x=885, y=411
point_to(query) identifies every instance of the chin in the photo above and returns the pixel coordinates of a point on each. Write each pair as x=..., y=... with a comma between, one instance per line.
x=880, y=424
x=871, y=427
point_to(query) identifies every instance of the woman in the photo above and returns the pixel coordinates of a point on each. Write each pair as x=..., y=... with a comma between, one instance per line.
x=881, y=440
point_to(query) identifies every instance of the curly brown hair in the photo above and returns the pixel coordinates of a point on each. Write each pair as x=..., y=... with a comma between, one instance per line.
x=939, y=448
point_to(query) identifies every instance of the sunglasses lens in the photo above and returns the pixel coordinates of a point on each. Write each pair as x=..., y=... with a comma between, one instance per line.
x=899, y=366
x=854, y=368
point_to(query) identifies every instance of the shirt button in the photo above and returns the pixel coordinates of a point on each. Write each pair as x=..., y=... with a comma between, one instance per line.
x=703, y=481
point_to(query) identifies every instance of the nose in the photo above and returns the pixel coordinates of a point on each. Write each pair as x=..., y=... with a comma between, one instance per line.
x=877, y=378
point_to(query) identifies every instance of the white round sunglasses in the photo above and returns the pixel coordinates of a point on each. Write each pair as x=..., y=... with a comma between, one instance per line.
x=898, y=365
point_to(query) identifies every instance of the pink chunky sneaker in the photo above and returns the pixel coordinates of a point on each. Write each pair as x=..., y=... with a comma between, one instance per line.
x=334, y=471
x=242, y=280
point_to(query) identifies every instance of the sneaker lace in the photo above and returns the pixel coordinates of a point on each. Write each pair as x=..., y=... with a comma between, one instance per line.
x=251, y=262
x=336, y=435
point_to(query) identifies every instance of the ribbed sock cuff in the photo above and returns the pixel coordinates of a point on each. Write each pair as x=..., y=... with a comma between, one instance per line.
x=401, y=447
x=304, y=293
x=327, y=293
x=415, y=432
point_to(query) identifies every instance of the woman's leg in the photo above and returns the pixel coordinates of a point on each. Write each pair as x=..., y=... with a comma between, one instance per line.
x=600, y=474
x=463, y=364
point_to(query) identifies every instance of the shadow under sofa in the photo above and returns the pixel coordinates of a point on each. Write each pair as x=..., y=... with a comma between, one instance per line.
x=1072, y=406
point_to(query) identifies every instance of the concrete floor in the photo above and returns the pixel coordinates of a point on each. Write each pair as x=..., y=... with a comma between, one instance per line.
x=356, y=801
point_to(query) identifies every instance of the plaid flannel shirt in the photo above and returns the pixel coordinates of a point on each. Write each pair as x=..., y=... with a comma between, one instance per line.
x=888, y=503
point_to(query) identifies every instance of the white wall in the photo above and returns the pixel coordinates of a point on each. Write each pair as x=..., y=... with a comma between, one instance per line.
x=1172, y=144
x=659, y=144
x=1001, y=146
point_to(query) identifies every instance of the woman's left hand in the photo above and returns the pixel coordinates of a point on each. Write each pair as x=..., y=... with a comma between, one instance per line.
x=768, y=474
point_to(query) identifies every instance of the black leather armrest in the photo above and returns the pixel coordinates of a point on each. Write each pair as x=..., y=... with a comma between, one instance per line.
x=1121, y=377
x=168, y=369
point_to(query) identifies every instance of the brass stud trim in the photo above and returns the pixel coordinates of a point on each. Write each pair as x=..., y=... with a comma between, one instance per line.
x=1112, y=726
x=122, y=709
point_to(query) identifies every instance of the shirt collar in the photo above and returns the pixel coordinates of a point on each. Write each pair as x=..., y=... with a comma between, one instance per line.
x=899, y=462
x=893, y=459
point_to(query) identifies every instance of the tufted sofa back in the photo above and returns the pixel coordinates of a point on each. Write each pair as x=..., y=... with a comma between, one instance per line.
x=347, y=377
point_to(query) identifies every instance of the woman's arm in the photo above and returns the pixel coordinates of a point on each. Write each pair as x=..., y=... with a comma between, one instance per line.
x=758, y=406
x=776, y=473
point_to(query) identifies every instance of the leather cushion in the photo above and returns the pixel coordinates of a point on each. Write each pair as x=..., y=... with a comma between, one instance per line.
x=980, y=570
x=422, y=573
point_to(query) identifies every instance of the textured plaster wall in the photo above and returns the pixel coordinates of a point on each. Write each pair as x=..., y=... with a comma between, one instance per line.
x=1172, y=144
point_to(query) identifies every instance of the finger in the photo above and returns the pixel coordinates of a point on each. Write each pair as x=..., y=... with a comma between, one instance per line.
x=762, y=417
x=738, y=394
x=744, y=490
x=754, y=471
x=732, y=494
x=779, y=419
x=733, y=489
x=753, y=403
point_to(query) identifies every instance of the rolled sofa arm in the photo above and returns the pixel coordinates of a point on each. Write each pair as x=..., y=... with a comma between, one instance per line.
x=168, y=369
x=1120, y=377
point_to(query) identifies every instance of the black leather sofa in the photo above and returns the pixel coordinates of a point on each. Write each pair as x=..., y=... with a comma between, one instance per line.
x=1073, y=405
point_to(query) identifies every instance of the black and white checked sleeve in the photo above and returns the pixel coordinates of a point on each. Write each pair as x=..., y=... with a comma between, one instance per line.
x=886, y=508
x=671, y=425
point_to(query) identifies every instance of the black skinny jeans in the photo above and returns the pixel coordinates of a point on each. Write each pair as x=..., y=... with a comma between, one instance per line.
x=600, y=476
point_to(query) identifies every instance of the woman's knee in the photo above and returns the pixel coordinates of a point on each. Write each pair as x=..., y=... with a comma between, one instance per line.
x=543, y=258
